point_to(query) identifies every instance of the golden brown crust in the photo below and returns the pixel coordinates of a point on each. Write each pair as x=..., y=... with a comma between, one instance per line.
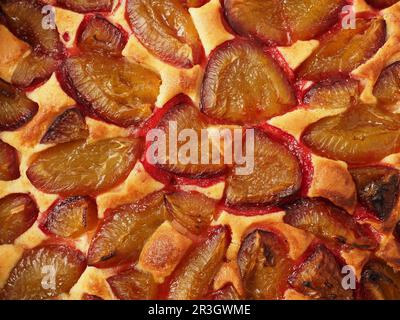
x=163, y=252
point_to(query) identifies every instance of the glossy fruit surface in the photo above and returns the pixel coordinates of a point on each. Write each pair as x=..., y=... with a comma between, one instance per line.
x=362, y=134
x=377, y=189
x=9, y=162
x=101, y=36
x=24, y=18
x=243, y=84
x=121, y=92
x=85, y=6
x=387, y=87
x=133, y=285
x=186, y=163
x=335, y=94
x=33, y=69
x=380, y=282
x=342, y=51
x=68, y=126
x=71, y=217
x=166, y=29
x=328, y=222
x=282, y=21
x=43, y=273
x=123, y=233
x=194, y=211
x=80, y=167
x=194, y=276
x=18, y=212
x=15, y=108
x=276, y=175
x=319, y=277
x=264, y=265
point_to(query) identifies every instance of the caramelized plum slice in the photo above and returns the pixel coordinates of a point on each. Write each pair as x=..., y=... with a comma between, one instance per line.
x=86, y=6
x=120, y=92
x=243, y=85
x=333, y=94
x=387, y=87
x=276, y=175
x=378, y=189
x=33, y=69
x=124, y=231
x=282, y=22
x=24, y=18
x=9, y=162
x=264, y=265
x=15, y=108
x=328, y=222
x=44, y=272
x=192, y=210
x=67, y=127
x=166, y=29
x=80, y=167
x=185, y=116
x=91, y=297
x=193, y=277
x=380, y=282
x=18, y=212
x=319, y=277
x=363, y=134
x=71, y=217
x=133, y=285
x=261, y=19
x=342, y=51
x=308, y=18
x=101, y=36
x=381, y=4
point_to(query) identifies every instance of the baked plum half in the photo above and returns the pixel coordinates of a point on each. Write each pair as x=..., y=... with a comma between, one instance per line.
x=68, y=126
x=194, y=276
x=121, y=92
x=378, y=189
x=25, y=20
x=332, y=94
x=86, y=6
x=166, y=29
x=244, y=85
x=276, y=175
x=101, y=36
x=123, y=233
x=192, y=210
x=282, y=22
x=319, y=277
x=361, y=135
x=264, y=265
x=187, y=162
x=133, y=285
x=9, y=162
x=71, y=217
x=15, y=108
x=328, y=222
x=33, y=69
x=380, y=282
x=80, y=167
x=342, y=51
x=43, y=273
x=387, y=87
x=18, y=212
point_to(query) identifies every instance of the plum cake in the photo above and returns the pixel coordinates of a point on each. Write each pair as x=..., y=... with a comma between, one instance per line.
x=292, y=192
